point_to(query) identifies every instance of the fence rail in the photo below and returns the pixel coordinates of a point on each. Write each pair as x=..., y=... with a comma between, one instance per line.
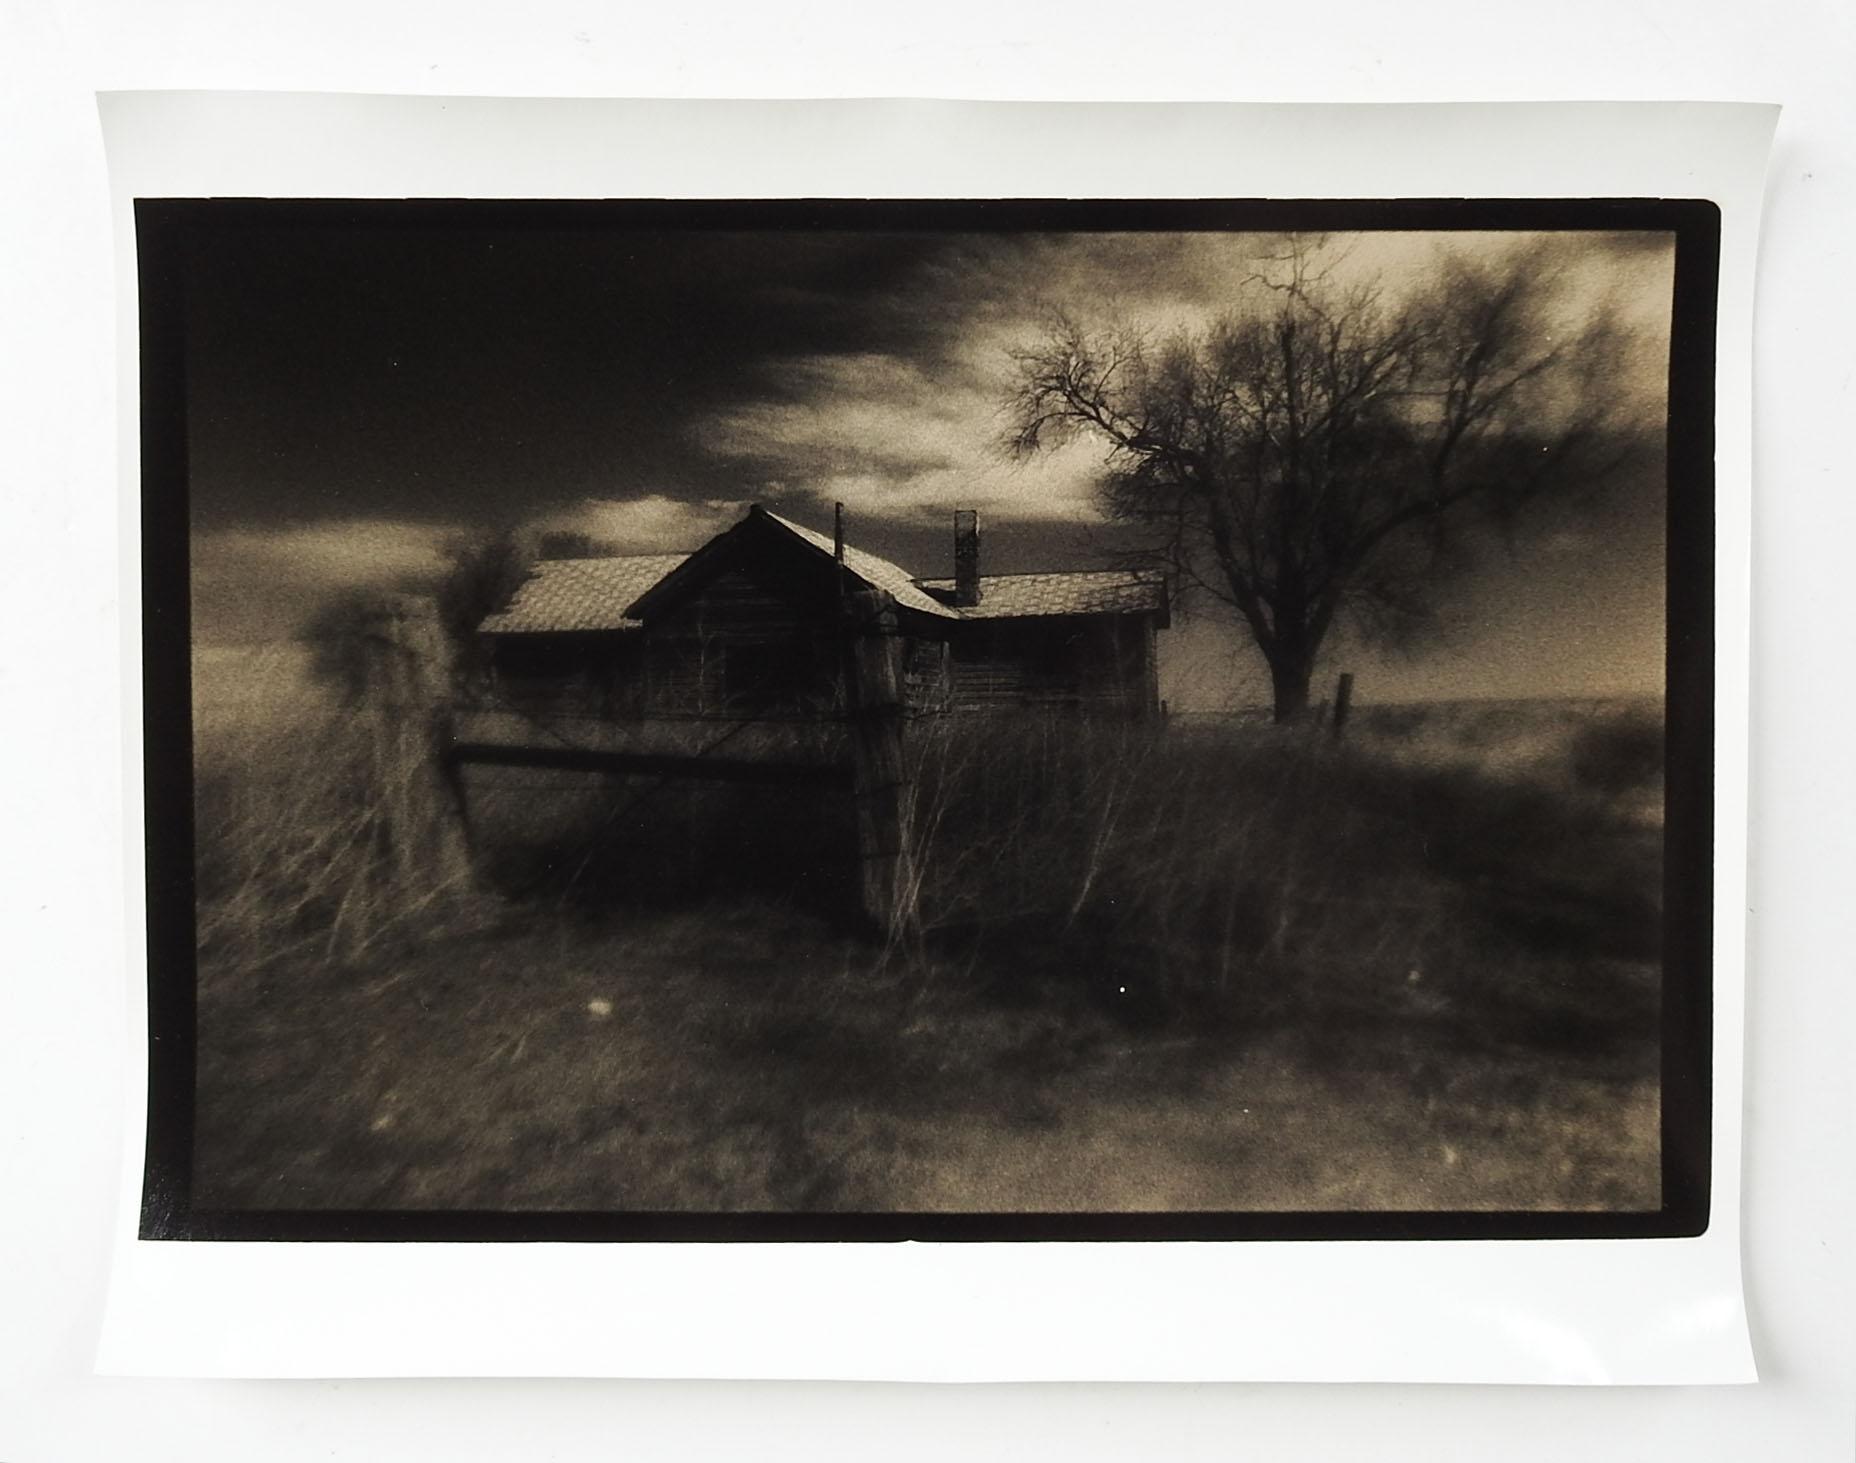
x=508, y=736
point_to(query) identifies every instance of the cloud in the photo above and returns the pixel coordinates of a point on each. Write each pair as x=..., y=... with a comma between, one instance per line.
x=895, y=438
x=911, y=431
x=655, y=523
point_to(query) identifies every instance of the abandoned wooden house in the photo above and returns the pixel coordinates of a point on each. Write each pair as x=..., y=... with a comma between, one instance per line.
x=780, y=656
x=751, y=626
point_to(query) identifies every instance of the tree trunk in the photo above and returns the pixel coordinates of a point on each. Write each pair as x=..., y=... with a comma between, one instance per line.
x=1289, y=678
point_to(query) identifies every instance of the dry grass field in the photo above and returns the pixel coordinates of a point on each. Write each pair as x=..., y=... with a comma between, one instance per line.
x=1213, y=968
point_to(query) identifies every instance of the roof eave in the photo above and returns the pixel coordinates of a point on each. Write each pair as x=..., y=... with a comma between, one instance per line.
x=630, y=627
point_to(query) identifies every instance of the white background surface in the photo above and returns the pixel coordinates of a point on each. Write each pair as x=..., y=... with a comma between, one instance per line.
x=1525, y=1312
x=60, y=1099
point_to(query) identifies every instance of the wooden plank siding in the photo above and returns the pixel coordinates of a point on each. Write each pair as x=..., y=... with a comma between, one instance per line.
x=927, y=677
x=732, y=650
x=735, y=648
x=1098, y=665
x=584, y=674
x=735, y=651
x=753, y=627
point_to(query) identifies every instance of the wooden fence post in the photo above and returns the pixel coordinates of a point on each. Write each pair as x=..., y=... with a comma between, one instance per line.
x=1343, y=703
x=879, y=772
x=422, y=800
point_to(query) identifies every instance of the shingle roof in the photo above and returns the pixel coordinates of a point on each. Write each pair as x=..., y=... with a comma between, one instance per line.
x=878, y=572
x=1083, y=592
x=562, y=595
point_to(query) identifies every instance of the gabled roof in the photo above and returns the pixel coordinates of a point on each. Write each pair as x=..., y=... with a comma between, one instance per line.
x=570, y=595
x=876, y=572
x=760, y=527
x=1082, y=592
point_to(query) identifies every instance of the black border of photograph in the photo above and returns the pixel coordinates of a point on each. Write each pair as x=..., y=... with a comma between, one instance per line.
x=167, y=230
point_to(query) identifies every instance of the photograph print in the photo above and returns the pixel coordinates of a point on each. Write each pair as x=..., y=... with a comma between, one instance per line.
x=977, y=720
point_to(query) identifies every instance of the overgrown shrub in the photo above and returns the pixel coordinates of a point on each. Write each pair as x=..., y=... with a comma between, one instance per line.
x=1239, y=872
x=1243, y=872
x=596, y=845
x=303, y=841
x=1396, y=721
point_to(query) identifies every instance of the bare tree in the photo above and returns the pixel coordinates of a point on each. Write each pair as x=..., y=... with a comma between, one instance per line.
x=1318, y=450
x=336, y=636
x=481, y=574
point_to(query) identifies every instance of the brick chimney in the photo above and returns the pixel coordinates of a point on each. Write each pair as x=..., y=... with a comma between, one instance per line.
x=966, y=557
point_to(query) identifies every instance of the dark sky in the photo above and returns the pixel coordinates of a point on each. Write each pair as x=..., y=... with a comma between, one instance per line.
x=357, y=394
x=475, y=374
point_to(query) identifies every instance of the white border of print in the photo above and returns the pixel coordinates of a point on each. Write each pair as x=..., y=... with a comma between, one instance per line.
x=1632, y=1311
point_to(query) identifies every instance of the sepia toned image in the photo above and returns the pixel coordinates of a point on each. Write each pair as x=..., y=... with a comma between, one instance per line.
x=872, y=720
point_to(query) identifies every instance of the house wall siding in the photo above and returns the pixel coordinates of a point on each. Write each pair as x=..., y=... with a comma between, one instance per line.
x=1092, y=664
x=591, y=674
x=736, y=648
x=754, y=643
